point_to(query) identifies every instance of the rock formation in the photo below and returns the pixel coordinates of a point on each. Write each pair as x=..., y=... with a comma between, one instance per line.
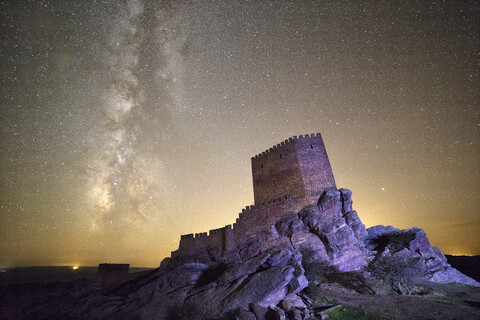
x=262, y=278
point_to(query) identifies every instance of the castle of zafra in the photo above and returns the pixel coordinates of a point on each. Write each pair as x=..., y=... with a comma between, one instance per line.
x=287, y=177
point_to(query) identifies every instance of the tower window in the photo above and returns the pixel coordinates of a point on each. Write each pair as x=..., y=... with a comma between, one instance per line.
x=311, y=146
x=280, y=156
x=261, y=165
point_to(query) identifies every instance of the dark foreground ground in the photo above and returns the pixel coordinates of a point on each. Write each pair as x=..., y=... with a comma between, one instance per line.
x=468, y=265
x=445, y=301
x=23, y=288
x=39, y=275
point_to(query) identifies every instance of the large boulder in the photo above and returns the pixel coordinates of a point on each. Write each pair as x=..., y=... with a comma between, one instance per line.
x=406, y=255
x=265, y=279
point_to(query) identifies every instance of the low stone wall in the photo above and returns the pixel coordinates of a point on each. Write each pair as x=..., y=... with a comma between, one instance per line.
x=251, y=221
x=258, y=218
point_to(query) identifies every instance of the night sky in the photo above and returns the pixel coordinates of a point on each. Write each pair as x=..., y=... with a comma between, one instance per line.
x=125, y=124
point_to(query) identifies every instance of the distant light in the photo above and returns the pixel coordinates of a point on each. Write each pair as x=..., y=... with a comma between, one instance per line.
x=75, y=267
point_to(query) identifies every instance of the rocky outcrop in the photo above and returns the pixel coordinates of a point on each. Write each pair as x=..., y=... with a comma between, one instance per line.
x=262, y=277
x=405, y=255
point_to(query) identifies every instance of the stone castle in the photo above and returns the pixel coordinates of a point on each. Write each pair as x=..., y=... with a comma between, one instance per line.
x=286, y=178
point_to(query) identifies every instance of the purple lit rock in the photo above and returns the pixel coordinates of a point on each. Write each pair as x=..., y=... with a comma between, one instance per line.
x=400, y=246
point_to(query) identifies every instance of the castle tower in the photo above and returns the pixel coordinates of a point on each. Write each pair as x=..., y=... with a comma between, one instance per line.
x=297, y=167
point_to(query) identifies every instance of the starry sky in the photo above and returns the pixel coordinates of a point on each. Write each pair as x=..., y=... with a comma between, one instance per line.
x=125, y=124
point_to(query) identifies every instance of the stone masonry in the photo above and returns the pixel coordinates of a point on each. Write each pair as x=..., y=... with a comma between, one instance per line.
x=296, y=167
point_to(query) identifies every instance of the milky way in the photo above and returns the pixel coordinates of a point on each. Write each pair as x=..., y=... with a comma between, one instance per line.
x=127, y=123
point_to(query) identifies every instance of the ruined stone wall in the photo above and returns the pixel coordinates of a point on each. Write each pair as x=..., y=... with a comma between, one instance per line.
x=251, y=220
x=254, y=219
x=221, y=240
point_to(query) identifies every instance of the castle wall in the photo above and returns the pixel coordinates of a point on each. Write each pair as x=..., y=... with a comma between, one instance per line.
x=316, y=171
x=254, y=219
x=202, y=245
x=276, y=173
x=251, y=221
x=296, y=167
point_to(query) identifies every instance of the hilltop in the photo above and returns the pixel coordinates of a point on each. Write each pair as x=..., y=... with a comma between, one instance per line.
x=301, y=252
x=320, y=260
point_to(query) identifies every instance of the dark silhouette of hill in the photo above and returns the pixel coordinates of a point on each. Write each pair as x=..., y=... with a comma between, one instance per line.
x=48, y=274
x=469, y=265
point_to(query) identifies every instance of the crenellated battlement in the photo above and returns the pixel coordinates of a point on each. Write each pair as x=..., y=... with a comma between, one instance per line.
x=114, y=265
x=243, y=213
x=220, y=237
x=284, y=143
x=252, y=208
x=215, y=231
x=200, y=235
x=224, y=237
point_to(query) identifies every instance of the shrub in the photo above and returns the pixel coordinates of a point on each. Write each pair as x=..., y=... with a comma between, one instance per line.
x=400, y=274
x=346, y=313
x=395, y=241
x=316, y=269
